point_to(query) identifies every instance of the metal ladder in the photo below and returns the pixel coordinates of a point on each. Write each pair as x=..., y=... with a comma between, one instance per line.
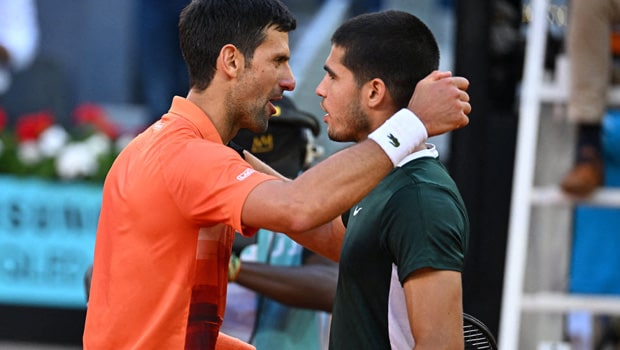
x=534, y=91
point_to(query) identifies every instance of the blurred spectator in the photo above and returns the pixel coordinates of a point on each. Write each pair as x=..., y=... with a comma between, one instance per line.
x=19, y=38
x=293, y=284
x=162, y=75
x=589, y=50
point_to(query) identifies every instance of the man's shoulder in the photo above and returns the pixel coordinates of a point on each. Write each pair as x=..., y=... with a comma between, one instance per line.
x=427, y=171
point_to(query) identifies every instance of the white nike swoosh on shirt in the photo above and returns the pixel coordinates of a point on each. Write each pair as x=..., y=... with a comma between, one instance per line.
x=356, y=210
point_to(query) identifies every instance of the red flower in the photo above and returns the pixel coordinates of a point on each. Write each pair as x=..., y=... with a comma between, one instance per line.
x=94, y=115
x=88, y=112
x=30, y=126
x=4, y=119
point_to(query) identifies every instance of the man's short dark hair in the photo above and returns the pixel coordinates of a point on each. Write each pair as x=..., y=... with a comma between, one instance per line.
x=395, y=46
x=205, y=26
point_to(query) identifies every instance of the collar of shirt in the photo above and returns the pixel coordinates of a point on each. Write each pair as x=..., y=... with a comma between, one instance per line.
x=430, y=151
x=186, y=109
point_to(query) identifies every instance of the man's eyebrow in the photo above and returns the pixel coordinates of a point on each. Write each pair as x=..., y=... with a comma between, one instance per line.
x=328, y=70
x=283, y=58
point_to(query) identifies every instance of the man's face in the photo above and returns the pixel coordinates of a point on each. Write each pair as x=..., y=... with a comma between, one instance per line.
x=345, y=118
x=265, y=78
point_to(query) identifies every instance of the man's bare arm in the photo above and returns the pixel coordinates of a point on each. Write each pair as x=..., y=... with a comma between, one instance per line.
x=261, y=166
x=317, y=278
x=434, y=306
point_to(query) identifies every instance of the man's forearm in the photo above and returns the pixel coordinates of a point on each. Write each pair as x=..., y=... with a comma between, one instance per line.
x=307, y=286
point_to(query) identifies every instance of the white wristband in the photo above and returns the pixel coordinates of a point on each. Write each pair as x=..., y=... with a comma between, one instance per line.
x=399, y=135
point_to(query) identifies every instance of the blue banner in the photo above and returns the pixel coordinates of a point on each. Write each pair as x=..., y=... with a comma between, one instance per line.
x=47, y=237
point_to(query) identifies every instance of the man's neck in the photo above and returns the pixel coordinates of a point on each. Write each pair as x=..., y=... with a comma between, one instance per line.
x=210, y=103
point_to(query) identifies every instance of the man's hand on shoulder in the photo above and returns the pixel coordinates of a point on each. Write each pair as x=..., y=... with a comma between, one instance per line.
x=441, y=102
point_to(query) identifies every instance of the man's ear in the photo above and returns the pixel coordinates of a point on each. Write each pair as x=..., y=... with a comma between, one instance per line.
x=375, y=92
x=230, y=61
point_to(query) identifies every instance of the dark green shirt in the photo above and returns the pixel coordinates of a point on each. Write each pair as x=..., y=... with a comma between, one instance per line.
x=414, y=218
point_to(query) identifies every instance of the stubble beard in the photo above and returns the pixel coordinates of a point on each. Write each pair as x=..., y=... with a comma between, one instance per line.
x=355, y=123
x=253, y=117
